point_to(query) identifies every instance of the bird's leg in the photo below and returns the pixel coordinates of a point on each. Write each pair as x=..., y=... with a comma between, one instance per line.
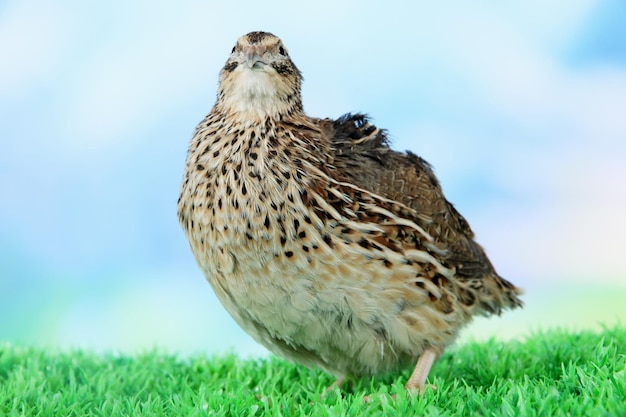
x=338, y=383
x=417, y=380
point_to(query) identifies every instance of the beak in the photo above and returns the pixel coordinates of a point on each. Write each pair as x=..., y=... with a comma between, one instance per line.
x=254, y=55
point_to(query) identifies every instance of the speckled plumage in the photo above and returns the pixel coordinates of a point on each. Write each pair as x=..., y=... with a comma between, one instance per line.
x=325, y=245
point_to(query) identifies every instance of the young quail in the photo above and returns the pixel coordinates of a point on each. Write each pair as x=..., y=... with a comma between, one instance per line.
x=329, y=248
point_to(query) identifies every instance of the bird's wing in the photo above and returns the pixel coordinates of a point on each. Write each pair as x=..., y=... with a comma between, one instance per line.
x=362, y=154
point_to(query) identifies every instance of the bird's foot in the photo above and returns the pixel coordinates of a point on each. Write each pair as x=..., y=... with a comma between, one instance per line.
x=417, y=380
x=337, y=384
x=421, y=390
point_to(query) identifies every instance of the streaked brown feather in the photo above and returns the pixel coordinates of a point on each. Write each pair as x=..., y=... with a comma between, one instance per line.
x=363, y=156
x=323, y=243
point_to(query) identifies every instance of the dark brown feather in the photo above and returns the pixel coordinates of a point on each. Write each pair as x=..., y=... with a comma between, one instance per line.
x=362, y=154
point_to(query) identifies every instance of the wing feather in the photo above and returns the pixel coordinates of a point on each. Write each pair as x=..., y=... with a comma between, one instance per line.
x=361, y=152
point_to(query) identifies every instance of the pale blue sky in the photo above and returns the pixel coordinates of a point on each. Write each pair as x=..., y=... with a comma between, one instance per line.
x=519, y=106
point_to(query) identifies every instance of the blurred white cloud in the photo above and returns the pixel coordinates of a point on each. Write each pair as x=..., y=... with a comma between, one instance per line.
x=34, y=38
x=133, y=80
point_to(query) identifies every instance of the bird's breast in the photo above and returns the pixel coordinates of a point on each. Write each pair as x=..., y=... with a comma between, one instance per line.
x=235, y=210
x=284, y=264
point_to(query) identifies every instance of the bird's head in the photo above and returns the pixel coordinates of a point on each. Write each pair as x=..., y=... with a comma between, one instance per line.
x=259, y=78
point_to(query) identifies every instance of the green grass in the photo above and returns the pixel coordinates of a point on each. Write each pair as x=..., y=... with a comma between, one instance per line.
x=549, y=374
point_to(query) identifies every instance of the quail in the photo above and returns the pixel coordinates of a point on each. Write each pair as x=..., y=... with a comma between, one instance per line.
x=324, y=244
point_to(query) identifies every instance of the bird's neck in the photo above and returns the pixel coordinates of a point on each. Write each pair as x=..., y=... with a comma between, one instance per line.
x=258, y=109
x=257, y=97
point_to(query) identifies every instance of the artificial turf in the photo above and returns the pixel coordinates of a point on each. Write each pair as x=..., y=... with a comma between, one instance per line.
x=553, y=373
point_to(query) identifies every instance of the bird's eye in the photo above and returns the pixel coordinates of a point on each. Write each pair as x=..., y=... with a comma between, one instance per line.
x=233, y=51
x=281, y=50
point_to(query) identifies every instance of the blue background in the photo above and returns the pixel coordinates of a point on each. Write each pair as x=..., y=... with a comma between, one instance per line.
x=521, y=108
